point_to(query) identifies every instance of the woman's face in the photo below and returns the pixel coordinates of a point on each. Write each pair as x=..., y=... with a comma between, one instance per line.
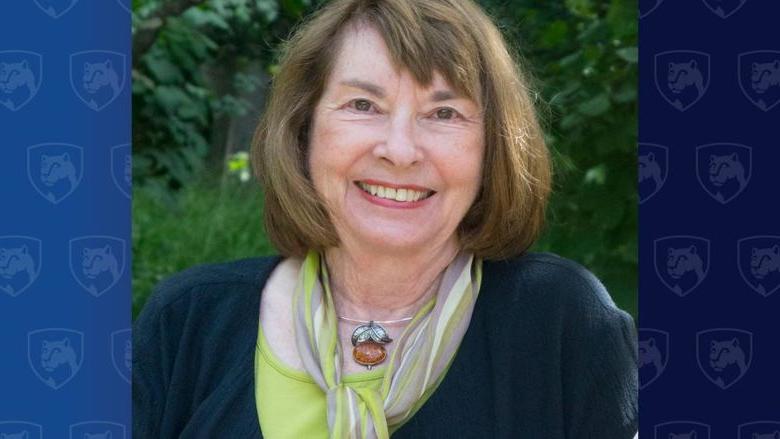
x=398, y=164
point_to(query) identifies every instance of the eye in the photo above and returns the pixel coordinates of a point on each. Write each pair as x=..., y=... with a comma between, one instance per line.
x=446, y=113
x=361, y=105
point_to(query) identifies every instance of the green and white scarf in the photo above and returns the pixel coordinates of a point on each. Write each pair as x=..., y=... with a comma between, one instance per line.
x=421, y=356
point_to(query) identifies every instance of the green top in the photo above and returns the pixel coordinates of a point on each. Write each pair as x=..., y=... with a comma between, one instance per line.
x=291, y=405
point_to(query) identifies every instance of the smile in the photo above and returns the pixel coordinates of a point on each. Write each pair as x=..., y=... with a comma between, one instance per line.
x=395, y=194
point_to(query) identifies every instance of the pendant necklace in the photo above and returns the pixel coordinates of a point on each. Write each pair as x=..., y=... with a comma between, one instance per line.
x=368, y=340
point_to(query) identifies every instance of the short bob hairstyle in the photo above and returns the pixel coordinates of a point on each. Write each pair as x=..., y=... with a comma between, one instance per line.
x=453, y=37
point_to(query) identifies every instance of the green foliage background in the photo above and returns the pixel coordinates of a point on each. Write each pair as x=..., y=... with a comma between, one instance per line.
x=192, y=203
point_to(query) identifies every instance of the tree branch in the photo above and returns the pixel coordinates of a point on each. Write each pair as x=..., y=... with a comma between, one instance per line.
x=147, y=31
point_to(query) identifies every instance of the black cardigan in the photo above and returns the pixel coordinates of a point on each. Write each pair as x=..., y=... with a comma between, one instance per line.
x=547, y=355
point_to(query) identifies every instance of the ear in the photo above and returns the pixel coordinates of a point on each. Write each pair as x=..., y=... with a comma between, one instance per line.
x=66, y=157
x=776, y=249
x=693, y=249
x=734, y=341
x=107, y=249
x=692, y=64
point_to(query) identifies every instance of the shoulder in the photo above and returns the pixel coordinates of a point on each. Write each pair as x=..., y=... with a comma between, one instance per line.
x=546, y=277
x=558, y=299
x=207, y=279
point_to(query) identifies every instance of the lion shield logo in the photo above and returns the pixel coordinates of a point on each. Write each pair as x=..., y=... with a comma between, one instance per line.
x=682, y=430
x=653, y=355
x=97, y=430
x=653, y=169
x=97, y=77
x=759, y=263
x=724, y=169
x=682, y=77
x=724, y=355
x=55, y=8
x=724, y=8
x=55, y=169
x=97, y=262
x=122, y=168
x=20, y=77
x=682, y=262
x=20, y=430
x=759, y=77
x=55, y=355
x=759, y=430
x=20, y=263
x=122, y=353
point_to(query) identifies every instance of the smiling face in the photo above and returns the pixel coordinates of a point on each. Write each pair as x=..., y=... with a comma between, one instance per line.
x=397, y=163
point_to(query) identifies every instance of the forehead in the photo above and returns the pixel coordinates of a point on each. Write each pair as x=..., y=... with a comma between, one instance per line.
x=364, y=55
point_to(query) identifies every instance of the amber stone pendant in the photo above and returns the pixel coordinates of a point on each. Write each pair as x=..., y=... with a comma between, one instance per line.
x=369, y=353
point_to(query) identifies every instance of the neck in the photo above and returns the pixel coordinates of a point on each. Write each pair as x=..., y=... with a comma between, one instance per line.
x=368, y=285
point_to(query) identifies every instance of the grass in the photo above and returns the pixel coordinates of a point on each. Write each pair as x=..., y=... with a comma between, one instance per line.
x=208, y=221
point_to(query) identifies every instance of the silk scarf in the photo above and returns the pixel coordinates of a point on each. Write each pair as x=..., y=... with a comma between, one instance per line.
x=421, y=356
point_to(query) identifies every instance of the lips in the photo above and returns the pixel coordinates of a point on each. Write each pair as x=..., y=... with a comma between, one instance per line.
x=398, y=193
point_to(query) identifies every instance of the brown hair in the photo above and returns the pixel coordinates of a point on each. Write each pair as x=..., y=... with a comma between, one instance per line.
x=454, y=37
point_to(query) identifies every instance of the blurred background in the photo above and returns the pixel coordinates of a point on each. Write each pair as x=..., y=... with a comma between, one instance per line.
x=200, y=75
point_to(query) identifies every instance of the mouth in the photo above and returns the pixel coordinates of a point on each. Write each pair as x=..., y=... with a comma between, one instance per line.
x=401, y=194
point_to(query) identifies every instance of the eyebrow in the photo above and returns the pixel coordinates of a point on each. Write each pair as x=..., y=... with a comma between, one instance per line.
x=437, y=96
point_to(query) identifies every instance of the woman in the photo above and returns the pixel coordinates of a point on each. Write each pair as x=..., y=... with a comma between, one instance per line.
x=405, y=177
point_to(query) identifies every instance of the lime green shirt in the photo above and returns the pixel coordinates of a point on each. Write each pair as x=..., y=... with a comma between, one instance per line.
x=291, y=405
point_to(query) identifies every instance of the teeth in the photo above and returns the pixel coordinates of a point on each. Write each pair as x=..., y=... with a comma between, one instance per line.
x=401, y=195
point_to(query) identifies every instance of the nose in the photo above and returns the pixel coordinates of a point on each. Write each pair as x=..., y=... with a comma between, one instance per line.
x=399, y=146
